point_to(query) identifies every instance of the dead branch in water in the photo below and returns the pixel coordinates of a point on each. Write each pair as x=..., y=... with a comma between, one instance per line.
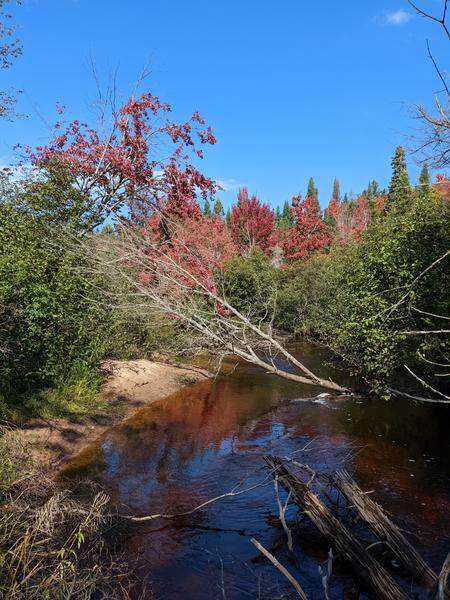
x=280, y=567
x=231, y=494
x=380, y=524
x=369, y=573
x=443, y=576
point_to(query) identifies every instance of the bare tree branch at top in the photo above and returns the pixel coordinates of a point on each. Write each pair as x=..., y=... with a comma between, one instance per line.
x=433, y=143
x=441, y=20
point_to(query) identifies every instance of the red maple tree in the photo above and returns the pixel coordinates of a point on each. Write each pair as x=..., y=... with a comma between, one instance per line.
x=309, y=232
x=252, y=223
x=143, y=160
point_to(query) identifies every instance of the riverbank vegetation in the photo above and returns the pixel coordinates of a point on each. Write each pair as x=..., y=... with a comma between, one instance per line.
x=115, y=245
x=360, y=277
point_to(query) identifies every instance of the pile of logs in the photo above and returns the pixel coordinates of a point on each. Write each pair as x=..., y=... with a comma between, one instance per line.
x=370, y=576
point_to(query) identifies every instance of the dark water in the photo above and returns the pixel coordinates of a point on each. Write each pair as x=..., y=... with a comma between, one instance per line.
x=205, y=440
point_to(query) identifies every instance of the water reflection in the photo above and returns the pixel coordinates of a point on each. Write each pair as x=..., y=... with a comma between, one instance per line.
x=199, y=443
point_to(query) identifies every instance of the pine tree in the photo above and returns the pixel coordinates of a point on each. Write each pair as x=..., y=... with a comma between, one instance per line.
x=218, y=208
x=424, y=179
x=277, y=216
x=336, y=189
x=312, y=191
x=287, y=216
x=228, y=216
x=399, y=188
x=207, y=208
x=424, y=188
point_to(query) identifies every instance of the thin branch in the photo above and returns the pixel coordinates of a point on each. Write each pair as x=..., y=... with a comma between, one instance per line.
x=426, y=332
x=425, y=384
x=280, y=567
x=282, y=512
x=419, y=398
x=424, y=312
x=441, y=21
x=441, y=77
x=230, y=494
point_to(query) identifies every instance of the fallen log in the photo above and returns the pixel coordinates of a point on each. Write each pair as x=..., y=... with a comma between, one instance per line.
x=380, y=524
x=371, y=576
x=443, y=576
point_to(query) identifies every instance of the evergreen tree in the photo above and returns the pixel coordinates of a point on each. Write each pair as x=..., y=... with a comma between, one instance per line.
x=425, y=190
x=424, y=180
x=277, y=217
x=336, y=189
x=207, y=208
x=218, y=208
x=287, y=216
x=312, y=191
x=399, y=188
x=228, y=217
x=345, y=200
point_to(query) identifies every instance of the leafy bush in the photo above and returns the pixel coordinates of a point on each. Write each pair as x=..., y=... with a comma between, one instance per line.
x=54, y=326
x=250, y=284
x=349, y=298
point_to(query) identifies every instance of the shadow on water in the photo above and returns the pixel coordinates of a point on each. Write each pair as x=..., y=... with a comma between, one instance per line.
x=202, y=441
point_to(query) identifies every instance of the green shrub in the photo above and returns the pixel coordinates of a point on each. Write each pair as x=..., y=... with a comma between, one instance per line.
x=250, y=284
x=348, y=298
x=55, y=324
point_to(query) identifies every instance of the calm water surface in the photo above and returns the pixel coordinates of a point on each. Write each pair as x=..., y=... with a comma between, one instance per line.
x=203, y=441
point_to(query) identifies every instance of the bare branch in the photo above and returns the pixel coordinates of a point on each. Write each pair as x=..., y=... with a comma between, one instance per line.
x=231, y=494
x=441, y=20
x=426, y=385
x=162, y=280
x=280, y=567
x=438, y=71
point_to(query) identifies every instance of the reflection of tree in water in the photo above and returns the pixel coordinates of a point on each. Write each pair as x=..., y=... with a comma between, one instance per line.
x=175, y=454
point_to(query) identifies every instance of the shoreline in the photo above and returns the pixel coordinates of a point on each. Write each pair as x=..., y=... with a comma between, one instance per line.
x=129, y=386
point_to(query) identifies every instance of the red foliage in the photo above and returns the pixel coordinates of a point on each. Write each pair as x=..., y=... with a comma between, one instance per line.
x=309, y=232
x=143, y=159
x=443, y=187
x=380, y=203
x=361, y=217
x=252, y=223
x=199, y=246
x=332, y=210
x=350, y=219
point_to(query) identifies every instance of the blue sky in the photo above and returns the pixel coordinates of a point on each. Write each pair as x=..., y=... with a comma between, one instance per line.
x=291, y=88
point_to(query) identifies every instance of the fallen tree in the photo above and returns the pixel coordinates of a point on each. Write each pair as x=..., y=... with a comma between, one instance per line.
x=170, y=271
x=371, y=576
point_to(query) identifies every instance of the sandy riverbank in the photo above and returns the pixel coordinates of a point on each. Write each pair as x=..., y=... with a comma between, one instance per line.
x=129, y=386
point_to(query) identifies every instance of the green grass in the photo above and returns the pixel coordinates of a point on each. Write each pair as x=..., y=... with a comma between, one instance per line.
x=76, y=397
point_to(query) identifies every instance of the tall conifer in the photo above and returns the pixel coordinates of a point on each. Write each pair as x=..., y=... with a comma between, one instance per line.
x=207, y=208
x=399, y=188
x=336, y=189
x=218, y=208
x=312, y=191
x=287, y=216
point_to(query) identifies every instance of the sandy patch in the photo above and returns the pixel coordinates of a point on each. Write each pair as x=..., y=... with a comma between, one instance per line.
x=130, y=385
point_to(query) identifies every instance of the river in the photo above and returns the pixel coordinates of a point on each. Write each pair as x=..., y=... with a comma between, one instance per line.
x=208, y=438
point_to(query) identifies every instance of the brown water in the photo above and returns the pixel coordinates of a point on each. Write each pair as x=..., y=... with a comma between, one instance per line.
x=203, y=441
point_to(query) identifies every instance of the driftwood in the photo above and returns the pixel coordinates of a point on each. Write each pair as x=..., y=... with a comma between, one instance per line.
x=279, y=566
x=370, y=575
x=443, y=576
x=380, y=524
